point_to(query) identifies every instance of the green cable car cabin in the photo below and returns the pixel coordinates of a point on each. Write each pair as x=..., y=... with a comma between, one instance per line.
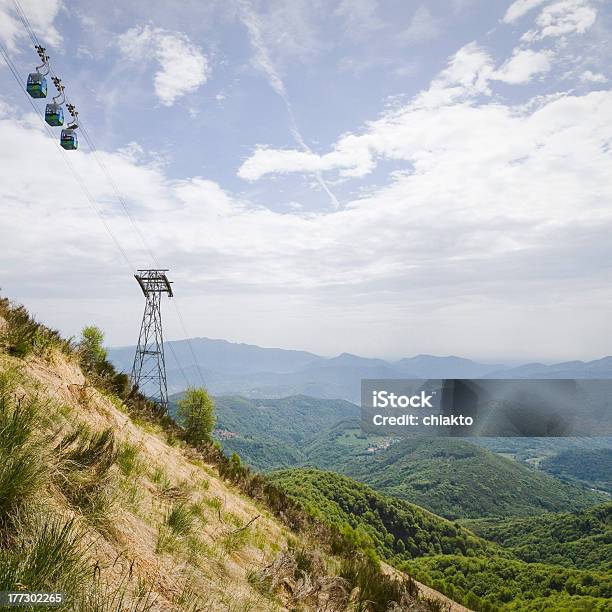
x=37, y=85
x=69, y=140
x=54, y=114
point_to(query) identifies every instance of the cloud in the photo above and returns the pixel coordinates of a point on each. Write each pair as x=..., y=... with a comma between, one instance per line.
x=422, y=27
x=182, y=65
x=562, y=18
x=264, y=63
x=484, y=191
x=593, y=77
x=519, y=8
x=360, y=17
x=40, y=13
x=522, y=66
x=490, y=231
x=467, y=75
x=290, y=31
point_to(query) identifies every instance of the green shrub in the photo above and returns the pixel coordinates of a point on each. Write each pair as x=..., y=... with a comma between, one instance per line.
x=93, y=353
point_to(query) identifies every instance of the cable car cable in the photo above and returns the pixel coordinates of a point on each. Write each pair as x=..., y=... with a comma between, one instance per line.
x=193, y=355
x=71, y=167
x=121, y=200
x=118, y=195
x=83, y=186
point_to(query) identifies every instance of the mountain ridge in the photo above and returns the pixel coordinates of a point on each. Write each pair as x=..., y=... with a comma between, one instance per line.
x=267, y=372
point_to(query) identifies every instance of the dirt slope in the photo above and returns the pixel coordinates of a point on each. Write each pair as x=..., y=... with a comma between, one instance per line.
x=216, y=559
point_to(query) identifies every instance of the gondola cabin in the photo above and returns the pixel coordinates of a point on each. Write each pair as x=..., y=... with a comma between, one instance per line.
x=69, y=140
x=37, y=85
x=54, y=114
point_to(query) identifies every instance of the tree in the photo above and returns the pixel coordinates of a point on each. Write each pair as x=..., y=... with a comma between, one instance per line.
x=92, y=350
x=196, y=411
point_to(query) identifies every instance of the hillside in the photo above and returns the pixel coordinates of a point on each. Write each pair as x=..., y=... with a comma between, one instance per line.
x=457, y=479
x=485, y=577
x=453, y=478
x=103, y=500
x=342, y=444
x=579, y=539
x=495, y=584
x=271, y=433
x=590, y=466
x=396, y=529
x=534, y=450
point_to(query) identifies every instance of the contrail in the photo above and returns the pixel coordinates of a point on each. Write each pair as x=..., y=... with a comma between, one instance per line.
x=252, y=23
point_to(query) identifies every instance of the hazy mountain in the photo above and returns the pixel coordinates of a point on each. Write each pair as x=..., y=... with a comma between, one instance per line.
x=599, y=368
x=250, y=370
x=222, y=356
x=253, y=371
x=430, y=366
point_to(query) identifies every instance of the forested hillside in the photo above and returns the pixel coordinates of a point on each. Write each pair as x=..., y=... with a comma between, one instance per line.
x=394, y=528
x=457, y=479
x=495, y=584
x=485, y=576
x=272, y=433
x=451, y=477
x=582, y=540
x=590, y=466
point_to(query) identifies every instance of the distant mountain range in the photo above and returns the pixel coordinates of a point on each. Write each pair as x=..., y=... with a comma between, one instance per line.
x=257, y=372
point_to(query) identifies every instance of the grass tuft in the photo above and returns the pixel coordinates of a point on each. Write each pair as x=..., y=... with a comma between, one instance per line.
x=23, y=335
x=47, y=555
x=84, y=475
x=180, y=519
x=23, y=460
x=128, y=459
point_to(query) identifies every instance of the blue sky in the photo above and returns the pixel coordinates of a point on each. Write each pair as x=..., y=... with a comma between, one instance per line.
x=380, y=177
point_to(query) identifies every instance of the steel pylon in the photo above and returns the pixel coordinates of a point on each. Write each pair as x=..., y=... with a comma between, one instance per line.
x=149, y=369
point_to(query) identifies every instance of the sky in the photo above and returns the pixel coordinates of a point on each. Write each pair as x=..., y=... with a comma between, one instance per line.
x=380, y=177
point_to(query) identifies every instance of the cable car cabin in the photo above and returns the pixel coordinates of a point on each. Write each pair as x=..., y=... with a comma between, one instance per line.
x=37, y=85
x=69, y=140
x=54, y=114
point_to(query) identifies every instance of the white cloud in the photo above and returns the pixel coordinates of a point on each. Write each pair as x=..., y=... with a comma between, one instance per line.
x=522, y=66
x=422, y=27
x=469, y=69
x=485, y=191
x=562, y=18
x=360, y=17
x=467, y=75
x=183, y=67
x=519, y=8
x=593, y=77
x=263, y=62
x=482, y=188
x=40, y=13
